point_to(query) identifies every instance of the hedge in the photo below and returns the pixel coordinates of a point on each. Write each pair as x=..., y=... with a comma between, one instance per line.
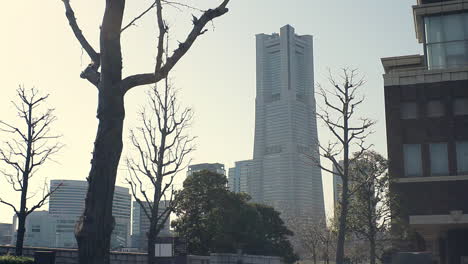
x=15, y=260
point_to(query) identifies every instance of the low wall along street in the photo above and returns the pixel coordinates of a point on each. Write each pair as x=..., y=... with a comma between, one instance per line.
x=70, y=256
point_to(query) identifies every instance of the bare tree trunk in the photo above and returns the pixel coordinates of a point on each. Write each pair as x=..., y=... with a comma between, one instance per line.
x=315, y=256
x=95, y=227
x=372, y=254
x=345, y=178
x=152, y=234
x=342, y=224
x=20, y=234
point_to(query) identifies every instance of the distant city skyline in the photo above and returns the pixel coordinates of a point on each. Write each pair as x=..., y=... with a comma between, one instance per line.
x=217, y=82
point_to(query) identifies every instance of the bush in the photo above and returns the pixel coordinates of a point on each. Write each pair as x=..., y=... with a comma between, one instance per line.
x=15, y=260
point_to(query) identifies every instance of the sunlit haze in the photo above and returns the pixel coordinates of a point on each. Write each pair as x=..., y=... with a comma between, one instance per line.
x=216, y=78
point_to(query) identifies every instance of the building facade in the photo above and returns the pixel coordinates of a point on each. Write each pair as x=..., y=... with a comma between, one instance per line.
x=426, y=104
x=239, y=175
x=286, y=142
x=213, y=167
x=6, y=233
x=68, y=202
x=141, y=224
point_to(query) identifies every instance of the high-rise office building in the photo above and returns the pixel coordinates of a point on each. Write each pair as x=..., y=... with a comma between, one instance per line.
x=68, y=202
x=213, y=167
x=426, y=108
x=141, y=224
x=286, y=142
x=239, y=175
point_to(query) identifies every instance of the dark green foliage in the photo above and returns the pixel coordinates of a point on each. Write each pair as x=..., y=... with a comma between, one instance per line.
x=213, y=219
x=15, y=260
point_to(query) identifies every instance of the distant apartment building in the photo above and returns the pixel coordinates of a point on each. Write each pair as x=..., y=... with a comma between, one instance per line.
x=426, y=105
x=141, y=224
x=286, y=127
x=67, y=204
x=6, y=233
x=213, y=167
x=239, y=175
x=41, y=230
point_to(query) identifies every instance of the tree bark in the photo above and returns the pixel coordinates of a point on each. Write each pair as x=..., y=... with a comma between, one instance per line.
x=20, y=234
x=345, y=178
x=372, y=254
x=152, y=234
x=94, y=228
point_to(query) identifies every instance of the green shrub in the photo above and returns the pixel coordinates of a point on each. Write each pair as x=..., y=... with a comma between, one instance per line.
x=15, y=260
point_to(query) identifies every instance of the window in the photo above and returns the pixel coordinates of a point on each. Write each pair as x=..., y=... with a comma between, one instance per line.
x=439, y=159
x=435, y=108
x=412, y=160
x=460, y=106
x=409, y=110
x=462, y=157
x=447, y=40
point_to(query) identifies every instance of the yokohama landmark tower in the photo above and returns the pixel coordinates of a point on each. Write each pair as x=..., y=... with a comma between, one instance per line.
x=284, y=173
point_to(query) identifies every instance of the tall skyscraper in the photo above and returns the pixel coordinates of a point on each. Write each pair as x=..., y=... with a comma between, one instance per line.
x=285, y=175
x=238, y=176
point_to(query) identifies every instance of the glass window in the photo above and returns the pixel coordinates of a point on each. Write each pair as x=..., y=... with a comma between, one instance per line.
x=412, y=160
x=455, y=54
x=447, y=40
x=460, y=106
x=453, y=27
x=462, y=157
x=435, y=108
x=436, y=55
x=439, y=159
x=433, y=29
x=409, y=110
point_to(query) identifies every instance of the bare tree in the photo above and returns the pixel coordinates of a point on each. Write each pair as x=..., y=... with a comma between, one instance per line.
x=307, y=236
x=338, y=116
x=162, y=145
x=94, y=228
x=370, y=208
x=328, y=245
x=31, y=144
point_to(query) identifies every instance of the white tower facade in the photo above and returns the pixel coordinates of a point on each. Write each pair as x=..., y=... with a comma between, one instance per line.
x=286, y=143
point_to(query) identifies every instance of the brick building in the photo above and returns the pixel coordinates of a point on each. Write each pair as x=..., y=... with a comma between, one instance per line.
x=426, y=104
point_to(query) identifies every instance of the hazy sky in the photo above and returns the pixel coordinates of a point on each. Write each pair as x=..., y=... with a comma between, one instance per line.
x=216, y=78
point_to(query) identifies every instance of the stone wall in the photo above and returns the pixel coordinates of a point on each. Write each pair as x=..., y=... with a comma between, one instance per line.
x=70, y=256
x=242, y=259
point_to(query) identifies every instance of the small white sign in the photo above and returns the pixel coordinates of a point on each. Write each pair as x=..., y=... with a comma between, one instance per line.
x=163, y=250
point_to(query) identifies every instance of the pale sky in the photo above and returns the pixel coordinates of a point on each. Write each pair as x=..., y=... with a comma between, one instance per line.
x=216, y=77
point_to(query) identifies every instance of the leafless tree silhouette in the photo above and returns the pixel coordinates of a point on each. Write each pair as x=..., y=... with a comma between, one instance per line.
x=162, y=146
x=94, y=228
x=340, y=104
x=30, y=145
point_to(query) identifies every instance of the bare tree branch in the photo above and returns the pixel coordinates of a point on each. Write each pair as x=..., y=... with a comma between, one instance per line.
x=197, y=30
x=29, y=147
